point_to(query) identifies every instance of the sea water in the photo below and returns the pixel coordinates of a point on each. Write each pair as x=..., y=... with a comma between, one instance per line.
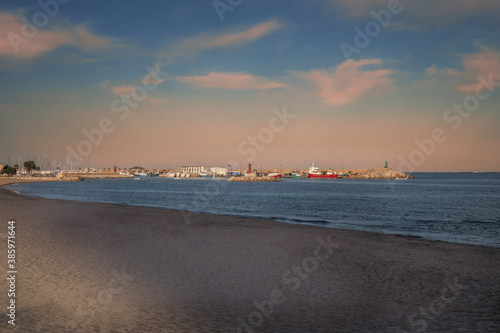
x=452, y=207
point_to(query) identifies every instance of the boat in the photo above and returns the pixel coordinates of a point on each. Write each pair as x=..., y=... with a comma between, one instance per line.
x=296, y=174
x=274, y=174
x=168, y=175
x=315, y=173
x=203, y=174
x=142, y=174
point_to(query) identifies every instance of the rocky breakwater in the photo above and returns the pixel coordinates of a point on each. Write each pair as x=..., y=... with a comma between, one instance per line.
x=378, y=174
x=103, y=175
x=253, y=179
x=69, y=178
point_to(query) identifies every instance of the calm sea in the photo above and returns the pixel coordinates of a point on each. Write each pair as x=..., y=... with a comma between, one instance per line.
x=453, y=207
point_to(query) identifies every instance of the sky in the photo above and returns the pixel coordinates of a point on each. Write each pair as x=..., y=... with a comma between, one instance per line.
x=344, y=83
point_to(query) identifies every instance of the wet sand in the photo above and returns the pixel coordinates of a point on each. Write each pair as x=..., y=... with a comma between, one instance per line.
x=89, y=267
x=12, y=180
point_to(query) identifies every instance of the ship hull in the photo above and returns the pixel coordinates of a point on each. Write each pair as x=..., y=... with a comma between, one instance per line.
x=312, y=175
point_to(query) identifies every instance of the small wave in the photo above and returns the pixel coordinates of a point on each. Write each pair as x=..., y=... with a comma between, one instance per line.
x=409, y=236
x=297, y=220
x=480, y=221
x=432, y=221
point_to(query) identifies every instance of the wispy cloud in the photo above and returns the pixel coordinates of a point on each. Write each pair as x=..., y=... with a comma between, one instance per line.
x=192, y=46
x=349, y=81
x=125, y=91
x=232, y=81
x=122, y=90
x=147, y=84
x=14, y=45
x=423, y=13
x=485, y=63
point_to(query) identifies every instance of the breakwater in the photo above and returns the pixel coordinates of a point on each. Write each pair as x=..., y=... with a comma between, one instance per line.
x=377, y=174
x=254, y=179
x=103, y=175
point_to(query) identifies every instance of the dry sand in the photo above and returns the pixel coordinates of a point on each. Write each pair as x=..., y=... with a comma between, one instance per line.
x=89, y=267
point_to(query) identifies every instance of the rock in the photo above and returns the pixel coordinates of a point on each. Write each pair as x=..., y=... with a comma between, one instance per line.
x=253, y=179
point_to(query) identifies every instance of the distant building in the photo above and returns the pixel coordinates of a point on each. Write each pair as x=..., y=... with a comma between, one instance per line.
x=193, y=169
x=219, y=171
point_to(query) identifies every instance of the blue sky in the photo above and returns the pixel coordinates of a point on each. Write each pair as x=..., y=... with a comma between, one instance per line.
x=225, y=77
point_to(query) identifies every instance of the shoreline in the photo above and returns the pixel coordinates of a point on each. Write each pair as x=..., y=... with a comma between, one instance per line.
x=11, y=180
x=107, y=267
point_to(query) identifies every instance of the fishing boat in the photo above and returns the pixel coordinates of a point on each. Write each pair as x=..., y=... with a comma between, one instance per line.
x=296, y=174
x=203, y=174
x=274, y=174
x=315, y=173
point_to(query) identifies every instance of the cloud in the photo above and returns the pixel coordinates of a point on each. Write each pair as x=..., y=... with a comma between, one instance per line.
x=126, y=91
x=146, y=85
x=424, y=13
x=349, y=81
x=17, y=42
x=484, y=64
x=122, y=90
x=104, y=84
x=192, y=46
x=232, y=81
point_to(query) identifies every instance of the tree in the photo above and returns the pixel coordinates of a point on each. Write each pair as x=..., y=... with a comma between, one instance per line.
x=30, y=165
x=8, y=170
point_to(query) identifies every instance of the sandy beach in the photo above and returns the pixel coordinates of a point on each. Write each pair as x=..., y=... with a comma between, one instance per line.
x=89, y=267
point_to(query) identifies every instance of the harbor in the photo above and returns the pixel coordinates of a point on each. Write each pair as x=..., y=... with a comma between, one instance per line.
x=195, y=172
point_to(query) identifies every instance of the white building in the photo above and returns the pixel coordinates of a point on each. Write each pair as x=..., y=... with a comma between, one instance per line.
x=218, y=171
x=193, y=169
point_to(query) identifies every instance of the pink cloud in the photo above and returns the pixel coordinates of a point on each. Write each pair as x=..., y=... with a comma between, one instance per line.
x=193, y=45
x=14, y=45
x=349, y=82
x=484, y=64
x=123, y=90
x=145, y=86
x=126, y=90
x=232, y=81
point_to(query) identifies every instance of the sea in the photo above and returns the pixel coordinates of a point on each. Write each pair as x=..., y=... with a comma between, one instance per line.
x=451, y=207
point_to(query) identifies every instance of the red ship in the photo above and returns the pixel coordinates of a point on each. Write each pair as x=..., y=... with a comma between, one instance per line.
x=315, y=173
